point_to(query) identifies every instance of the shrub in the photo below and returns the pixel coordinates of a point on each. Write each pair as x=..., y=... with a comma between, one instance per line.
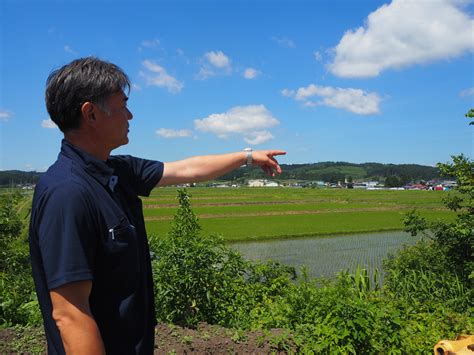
x=18, y=303
x=420, y=275
x=455, y=239
x=10, y=225
x=196, y=277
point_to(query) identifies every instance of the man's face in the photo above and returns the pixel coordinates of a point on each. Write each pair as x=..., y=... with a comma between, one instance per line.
x=112, y=125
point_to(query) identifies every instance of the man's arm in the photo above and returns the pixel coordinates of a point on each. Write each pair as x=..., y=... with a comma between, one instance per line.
x=71, y=312
x=208, y=167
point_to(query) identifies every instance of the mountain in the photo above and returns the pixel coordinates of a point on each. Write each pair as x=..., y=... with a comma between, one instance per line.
x=324, y=171
x=339, y=171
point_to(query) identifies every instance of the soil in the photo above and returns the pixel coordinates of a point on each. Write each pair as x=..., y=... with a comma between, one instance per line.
x=171, y=339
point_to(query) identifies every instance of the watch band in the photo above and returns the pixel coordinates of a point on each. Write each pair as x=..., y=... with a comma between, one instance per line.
x=249, y=157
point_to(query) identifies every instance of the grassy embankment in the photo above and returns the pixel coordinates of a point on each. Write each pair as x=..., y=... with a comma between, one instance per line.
x=241, y=214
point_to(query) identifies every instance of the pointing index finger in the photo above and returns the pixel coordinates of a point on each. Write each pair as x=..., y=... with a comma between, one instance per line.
x=276, y=152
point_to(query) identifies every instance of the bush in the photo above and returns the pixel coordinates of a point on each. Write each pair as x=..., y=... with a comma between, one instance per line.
x=431, y=283
x=10, y=225
x=341, y=316
x=453, y=243
x=196, y=277
x=18, y=302
x=420, y=275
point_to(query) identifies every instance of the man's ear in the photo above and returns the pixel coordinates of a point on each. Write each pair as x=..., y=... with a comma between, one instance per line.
x=88, y=115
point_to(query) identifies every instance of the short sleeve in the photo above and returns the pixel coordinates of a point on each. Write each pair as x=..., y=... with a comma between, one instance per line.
x=67, y=236
x=142, y=174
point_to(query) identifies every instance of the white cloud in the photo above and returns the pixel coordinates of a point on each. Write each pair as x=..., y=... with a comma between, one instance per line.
x=204, y=73
x=214, y=63
x=5, y=115
x=182, y=56
x=467, y=92
x=258, y=137
x=284, y=42
x=287, y=92
x=136, y=87
x=173, y=133
x=150, y=43
x=157, y=76
x=251, y=73
x=318, y=56
x=68, y=49
x=404, y=33
x=48, y=123
x=218, y=59
x=354, y=100
x=252, y=122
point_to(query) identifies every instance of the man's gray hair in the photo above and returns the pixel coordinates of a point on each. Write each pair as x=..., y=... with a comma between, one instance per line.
x=83, y=80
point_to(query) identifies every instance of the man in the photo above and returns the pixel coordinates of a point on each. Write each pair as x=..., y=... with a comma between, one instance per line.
x=88, y=244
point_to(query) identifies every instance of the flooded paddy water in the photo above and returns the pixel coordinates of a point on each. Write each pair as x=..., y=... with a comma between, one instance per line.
x=326, y=256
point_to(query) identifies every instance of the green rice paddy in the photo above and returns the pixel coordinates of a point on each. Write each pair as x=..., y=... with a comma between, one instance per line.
x=241, y=214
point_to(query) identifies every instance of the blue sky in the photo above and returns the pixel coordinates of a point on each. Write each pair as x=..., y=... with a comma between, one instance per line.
x=357, y=81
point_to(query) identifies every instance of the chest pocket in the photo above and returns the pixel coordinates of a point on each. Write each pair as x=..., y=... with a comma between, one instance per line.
x=121, y=236
x=121, y=254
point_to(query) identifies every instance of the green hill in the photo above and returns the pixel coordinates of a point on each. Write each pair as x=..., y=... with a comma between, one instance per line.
x=324, y=171
x=338, y=171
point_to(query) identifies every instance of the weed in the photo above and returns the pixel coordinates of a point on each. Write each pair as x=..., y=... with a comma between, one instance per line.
x=205, y=336
x=239, y=335
x=187, y=339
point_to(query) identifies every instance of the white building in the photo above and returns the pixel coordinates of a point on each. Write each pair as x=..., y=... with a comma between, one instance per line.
x=256, y=183
x=262, y=183
x=271, y=184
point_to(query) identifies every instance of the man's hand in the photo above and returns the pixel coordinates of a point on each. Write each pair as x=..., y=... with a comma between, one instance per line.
x=265, y=160
x=203, y=168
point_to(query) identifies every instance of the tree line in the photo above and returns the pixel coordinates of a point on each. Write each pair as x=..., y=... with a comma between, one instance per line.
x=15, y=177
x=341, y=171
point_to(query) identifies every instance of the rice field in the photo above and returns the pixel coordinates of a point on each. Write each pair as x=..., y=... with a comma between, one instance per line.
x=244, y=214
x=325, y=257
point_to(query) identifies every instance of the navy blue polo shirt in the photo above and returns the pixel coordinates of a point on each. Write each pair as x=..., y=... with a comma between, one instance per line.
x=87, y=224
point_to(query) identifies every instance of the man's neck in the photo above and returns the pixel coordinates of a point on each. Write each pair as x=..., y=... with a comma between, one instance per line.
x=87, y=144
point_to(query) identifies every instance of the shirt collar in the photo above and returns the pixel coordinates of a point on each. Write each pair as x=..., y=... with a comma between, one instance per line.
x=93, y=166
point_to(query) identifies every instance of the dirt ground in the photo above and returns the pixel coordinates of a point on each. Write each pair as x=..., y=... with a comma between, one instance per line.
x=170, y=339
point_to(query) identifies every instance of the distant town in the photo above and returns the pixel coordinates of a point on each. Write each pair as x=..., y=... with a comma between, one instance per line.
x=438, y=185
x=369, y=176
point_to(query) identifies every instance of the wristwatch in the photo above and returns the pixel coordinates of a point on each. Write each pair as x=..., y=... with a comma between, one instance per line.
x=249, y=159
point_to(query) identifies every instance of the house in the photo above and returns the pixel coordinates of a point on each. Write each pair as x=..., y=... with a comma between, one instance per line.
x=256, y=183
x=415, y=187
x=271, y=184
x=262, y=183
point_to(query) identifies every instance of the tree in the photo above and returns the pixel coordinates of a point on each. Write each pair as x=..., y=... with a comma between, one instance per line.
x=456, y=239
x=392, y=181
x=469, y=115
